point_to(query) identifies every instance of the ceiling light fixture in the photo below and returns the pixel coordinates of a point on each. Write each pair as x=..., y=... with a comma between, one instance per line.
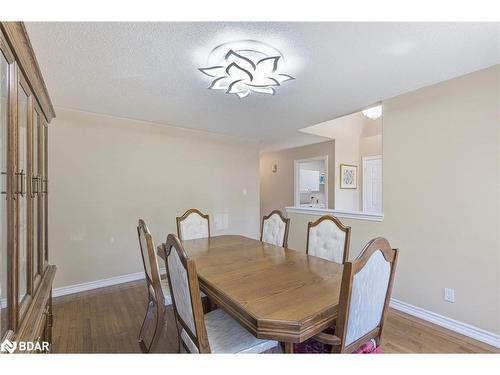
x=373, y=112
x=246, y=66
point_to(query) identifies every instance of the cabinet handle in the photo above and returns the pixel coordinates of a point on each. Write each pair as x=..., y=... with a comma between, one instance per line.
x=4, y=192
x=45, y=188
x=35, y=185
x=21, y=191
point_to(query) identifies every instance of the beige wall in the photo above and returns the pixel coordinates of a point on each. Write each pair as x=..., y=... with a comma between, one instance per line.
x=370, y=146
x=276, y=189
x=347, y=152
x=107, y=172
x=441, y=198
x=371, y=127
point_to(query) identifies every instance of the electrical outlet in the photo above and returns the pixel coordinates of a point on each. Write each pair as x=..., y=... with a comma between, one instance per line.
x=449, y=295
x=221, y=221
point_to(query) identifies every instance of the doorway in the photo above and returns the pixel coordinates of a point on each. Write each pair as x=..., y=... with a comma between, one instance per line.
x=372, y=184
x=311, y=182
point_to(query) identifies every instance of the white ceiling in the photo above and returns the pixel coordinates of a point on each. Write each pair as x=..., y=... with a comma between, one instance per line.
x=148, y=71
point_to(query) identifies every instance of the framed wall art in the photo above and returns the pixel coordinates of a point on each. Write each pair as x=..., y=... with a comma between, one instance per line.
x=348, y=176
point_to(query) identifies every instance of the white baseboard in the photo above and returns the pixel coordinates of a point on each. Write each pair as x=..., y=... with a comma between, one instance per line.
x=76, y=288
x=445, y=322
x=71, y=289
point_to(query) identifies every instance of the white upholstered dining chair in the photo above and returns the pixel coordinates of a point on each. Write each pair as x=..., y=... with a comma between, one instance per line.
x=274, y=229
x=364, y=298
x=158, y=290
x=193, y=224
x=329, y=239
x=214, y=332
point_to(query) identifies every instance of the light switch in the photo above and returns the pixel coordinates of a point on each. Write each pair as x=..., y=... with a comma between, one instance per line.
x=449, y=295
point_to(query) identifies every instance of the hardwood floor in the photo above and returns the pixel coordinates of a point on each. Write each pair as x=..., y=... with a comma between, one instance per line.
x=107, y=320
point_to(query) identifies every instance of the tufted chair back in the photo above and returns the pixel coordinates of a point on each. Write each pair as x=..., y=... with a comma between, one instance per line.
x=329, y=239
x=193, y=224
x=275, y=229
x=365, y=294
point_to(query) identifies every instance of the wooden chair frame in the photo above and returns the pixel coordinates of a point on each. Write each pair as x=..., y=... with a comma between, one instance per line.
x=350, y=269
x=200, y=337
x=339, y=225
x=155, y=292
x=183, y=217
x=284, y=219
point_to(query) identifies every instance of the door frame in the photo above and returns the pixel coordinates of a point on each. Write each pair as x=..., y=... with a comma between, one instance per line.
x=363, y=190
x=296, y=192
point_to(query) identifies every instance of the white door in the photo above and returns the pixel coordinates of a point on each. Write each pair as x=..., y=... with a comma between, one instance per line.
x=372, y=184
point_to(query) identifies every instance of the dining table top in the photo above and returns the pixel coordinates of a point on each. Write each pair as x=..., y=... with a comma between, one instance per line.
x=275, y=292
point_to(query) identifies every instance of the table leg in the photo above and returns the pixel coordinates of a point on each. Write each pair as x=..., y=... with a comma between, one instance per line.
x=289, y=347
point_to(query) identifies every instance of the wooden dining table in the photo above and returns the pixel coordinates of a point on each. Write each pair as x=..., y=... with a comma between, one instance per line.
x=274, y=292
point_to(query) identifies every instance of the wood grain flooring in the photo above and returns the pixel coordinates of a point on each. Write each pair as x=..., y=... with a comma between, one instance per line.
x=107, y=320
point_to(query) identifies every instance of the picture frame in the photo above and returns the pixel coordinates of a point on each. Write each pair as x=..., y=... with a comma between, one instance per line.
x=348, y=176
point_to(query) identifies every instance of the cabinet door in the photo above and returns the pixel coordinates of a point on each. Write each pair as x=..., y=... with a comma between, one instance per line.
x=23, y=116
x=35, y=196
x=4, y=148
x=43, y=205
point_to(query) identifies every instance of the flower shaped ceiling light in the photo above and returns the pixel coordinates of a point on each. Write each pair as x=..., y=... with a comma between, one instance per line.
x=246, y=66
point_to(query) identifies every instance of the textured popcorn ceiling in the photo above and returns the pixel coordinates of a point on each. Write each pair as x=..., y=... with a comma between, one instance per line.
x=148, y=71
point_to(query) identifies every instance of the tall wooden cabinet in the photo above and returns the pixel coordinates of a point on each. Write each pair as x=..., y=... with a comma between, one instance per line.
x=25, y=112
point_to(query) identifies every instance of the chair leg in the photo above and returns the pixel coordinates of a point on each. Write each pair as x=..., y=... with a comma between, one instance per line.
x=142, y=344
x=179, y=339
x=159, y=326
x=289, y=347
x=336, y=349
x=208, y=305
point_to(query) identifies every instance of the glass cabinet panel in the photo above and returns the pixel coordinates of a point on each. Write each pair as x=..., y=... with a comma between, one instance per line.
x=45, y=158
x=22, y=167
x=42, y=196
x=35, y=189
x=4, y=87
